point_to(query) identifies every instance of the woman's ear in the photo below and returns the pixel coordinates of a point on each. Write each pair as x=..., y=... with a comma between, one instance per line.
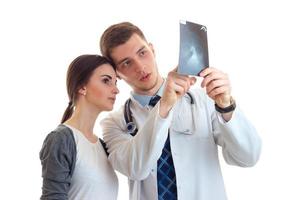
x=82, y=91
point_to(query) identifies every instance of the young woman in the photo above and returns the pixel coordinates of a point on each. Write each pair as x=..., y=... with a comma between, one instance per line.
x=74, y=160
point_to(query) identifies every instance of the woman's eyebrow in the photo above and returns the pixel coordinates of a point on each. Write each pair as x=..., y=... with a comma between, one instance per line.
x=108, y=76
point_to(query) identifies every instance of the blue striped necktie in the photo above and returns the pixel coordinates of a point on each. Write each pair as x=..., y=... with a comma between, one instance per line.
x=166, y=176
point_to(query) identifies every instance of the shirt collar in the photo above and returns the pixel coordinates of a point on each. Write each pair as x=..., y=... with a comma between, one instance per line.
x=144, y=99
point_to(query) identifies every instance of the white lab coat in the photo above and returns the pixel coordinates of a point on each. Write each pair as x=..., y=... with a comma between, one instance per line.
x=195, y=131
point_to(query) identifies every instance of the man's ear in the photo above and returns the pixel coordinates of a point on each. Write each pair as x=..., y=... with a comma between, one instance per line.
x=151, y=47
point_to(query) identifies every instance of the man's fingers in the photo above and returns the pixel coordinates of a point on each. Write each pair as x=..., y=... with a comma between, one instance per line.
x=179, y=84
x=213, y=76
x=180, y=91
x=218, y=91
x=193, y=80
x=184, y=83
x=175, y=69
x=216, y=83
x=207, y=71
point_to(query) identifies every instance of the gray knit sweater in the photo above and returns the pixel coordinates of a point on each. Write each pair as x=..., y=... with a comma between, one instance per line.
x=58, y=158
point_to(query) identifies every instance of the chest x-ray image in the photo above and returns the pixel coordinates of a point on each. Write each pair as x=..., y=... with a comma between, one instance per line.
x=193, y=53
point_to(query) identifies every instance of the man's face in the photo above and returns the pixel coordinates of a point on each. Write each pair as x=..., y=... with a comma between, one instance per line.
x=135, y=61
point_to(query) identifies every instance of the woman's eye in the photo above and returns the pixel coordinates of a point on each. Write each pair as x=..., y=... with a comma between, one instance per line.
x=106, y=81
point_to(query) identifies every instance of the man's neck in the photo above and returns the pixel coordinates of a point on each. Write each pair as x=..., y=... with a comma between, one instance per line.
x=152, y=91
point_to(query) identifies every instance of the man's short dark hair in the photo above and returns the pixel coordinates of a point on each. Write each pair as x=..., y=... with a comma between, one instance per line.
x=116, y=35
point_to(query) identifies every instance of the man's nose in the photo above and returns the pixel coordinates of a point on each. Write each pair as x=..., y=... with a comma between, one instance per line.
x=139, y=65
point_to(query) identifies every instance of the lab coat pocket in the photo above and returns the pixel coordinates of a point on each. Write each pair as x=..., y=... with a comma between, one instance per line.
x=183, y=121
x=190, y=120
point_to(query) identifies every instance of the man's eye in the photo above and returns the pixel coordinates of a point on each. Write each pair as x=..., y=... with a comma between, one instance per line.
x=142, y=53
x=126, y=63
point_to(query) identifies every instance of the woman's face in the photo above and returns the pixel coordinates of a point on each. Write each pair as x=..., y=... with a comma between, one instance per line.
x=101, y=89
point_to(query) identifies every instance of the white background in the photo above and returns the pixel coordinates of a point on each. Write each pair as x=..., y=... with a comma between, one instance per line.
x=256, y=42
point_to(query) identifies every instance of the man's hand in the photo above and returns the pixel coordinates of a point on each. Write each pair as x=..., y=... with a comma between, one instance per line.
x=217, y=86
x=176, y=86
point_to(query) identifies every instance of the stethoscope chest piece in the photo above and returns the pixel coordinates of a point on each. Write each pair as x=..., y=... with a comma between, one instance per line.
x=131, y=128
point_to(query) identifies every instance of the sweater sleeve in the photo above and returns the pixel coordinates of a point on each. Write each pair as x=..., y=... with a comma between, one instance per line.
x=58, y=156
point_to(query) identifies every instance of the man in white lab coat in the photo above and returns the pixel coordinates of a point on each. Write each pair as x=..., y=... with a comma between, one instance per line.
x=183, y=130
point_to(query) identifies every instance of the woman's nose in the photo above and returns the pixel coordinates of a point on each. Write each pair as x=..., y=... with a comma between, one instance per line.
x=115, y=90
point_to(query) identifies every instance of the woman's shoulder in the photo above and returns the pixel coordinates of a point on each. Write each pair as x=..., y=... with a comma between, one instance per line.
x=61, y=132
x=61, y=136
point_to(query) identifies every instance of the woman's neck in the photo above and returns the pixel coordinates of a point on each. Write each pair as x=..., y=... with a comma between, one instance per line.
x=83, y=120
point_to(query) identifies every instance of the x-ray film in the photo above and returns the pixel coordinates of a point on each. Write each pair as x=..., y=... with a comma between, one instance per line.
x=193, y=53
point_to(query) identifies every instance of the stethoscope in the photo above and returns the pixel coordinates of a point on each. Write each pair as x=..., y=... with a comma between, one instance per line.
x=130, y=125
